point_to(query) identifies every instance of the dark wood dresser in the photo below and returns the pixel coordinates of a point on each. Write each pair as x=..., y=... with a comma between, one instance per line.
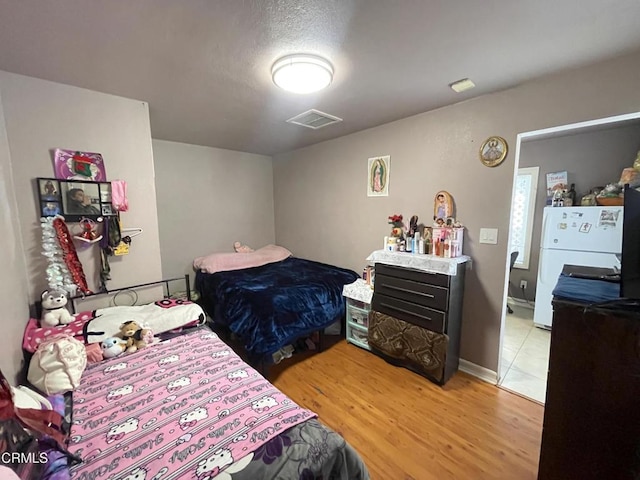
x=416, y=319
x=591, y=427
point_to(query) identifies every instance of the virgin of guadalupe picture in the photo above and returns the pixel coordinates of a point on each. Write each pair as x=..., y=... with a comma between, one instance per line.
x=378, y=176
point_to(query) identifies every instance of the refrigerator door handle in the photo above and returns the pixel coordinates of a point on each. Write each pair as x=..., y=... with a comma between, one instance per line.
x=542, y=275
x=545, y=220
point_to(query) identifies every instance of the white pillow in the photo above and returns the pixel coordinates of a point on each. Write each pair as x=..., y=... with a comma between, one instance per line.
x=57, y=365
x=154, y=316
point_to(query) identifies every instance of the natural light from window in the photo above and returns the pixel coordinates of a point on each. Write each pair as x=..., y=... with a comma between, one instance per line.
x=524, y=204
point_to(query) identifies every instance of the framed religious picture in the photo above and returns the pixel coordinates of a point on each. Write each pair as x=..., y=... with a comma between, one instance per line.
x=442, y=207
x=493, y=151
x=378, y=176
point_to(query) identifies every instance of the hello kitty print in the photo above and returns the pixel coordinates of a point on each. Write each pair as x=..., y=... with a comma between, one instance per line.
x=188, y=408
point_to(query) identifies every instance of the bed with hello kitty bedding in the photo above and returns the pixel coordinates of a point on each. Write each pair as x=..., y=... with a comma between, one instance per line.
x=190, y=408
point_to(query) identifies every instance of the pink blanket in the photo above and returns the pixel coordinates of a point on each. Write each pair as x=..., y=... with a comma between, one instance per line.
x=223, y=262
x=183, y=409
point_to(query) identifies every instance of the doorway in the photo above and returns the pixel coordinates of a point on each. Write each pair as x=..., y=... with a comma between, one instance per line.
x=592, y=153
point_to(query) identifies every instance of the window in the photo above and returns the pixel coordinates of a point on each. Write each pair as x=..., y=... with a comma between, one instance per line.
x=524, y=204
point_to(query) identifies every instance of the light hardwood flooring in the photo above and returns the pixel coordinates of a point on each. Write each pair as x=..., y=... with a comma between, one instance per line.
x=408, y=428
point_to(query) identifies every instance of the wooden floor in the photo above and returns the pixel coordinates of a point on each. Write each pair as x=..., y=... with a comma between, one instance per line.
x=406, y=427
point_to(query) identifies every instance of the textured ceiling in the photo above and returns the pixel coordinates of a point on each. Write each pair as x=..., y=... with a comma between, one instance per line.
x=204, y=65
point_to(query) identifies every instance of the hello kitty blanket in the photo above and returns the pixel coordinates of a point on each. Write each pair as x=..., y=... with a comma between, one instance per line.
x=188, y=408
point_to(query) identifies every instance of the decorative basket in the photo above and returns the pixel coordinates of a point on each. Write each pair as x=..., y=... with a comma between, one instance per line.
x=610, y=201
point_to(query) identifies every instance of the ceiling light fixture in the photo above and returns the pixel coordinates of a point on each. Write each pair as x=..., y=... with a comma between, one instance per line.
x=302, y=73
x=462, y=85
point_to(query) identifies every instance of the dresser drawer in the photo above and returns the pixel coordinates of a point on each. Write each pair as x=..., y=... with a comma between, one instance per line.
x=412, y=291
x=437, y=279
x=409, y=312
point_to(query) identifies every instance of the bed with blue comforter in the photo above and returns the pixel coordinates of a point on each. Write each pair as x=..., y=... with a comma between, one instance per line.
x=270, y=306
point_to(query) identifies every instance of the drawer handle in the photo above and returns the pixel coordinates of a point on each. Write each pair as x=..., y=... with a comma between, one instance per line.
x=405, y=290
x=404, y=311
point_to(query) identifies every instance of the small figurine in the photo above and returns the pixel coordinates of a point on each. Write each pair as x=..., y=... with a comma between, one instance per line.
x=443, y=206
x=88, y=229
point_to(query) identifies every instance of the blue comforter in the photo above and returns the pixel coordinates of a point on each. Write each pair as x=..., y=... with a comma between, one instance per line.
x=272, y=305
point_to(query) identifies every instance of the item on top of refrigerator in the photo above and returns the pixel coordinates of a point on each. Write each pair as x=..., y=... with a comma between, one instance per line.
x=571, y=198
x=630, y=176
x=611, y=195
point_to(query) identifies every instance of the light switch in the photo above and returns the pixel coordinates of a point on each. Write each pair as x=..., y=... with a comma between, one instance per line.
x=489, y=235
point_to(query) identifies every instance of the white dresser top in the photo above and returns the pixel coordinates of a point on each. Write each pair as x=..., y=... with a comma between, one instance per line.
x=426, y=263
x=358, y=290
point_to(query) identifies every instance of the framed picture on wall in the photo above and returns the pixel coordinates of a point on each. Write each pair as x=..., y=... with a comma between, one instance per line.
x=50, y=209
x=74, y=199
x=106, y=209
x=49, y=189
x=378, y=176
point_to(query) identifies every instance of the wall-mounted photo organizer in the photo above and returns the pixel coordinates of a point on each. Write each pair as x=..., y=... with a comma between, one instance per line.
x=74, y=199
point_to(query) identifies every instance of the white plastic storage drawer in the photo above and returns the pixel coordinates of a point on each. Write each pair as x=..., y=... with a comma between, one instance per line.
x=359, y=337
x=358, y=316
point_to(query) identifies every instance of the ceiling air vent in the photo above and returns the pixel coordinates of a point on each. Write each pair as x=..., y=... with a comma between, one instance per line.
x=314, y=119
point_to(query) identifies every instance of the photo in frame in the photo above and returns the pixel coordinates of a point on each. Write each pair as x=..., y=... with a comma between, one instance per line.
x=75, y=165
x=74, y=200
x=49, y=189
x=107, y=209
x=378, y=176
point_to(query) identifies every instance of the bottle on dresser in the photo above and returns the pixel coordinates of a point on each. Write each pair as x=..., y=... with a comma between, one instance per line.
x=571, y=197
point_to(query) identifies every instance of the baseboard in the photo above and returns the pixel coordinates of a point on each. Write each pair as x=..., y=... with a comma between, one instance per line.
x=521, y=302
x=482, y=373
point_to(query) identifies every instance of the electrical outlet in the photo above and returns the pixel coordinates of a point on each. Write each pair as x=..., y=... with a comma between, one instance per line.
x=523, y=284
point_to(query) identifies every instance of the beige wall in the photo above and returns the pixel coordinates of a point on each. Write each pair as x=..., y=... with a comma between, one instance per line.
x=209, y=198
x=41, y=116
x=13, y=282
x=322, y=211
x=593, y=158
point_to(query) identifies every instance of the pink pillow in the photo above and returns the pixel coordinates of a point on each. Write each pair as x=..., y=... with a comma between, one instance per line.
x=34, y=334
x=223, y=262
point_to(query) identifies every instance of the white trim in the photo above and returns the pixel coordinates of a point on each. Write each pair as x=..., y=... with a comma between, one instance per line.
x=574, y=126
x=539, y=134
x=534, y=173
x=477, y=371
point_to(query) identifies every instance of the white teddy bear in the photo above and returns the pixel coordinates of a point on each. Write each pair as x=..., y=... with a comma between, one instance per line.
x=54, y=311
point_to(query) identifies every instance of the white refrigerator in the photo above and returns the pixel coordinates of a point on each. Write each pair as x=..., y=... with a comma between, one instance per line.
x=586, y=236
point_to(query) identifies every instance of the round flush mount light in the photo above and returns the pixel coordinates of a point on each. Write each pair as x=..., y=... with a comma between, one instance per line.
x=302, y=73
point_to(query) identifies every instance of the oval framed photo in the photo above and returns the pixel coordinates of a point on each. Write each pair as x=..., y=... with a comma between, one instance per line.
x=493, y=151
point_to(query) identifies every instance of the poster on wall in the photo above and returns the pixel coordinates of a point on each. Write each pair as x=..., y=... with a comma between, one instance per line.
x=378, y=176
x=555, y=181
x=75, y=165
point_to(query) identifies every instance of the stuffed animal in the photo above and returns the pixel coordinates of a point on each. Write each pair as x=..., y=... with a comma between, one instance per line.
x=240, y=248
x=134, y=335
x=112, y=347
x=54, y=311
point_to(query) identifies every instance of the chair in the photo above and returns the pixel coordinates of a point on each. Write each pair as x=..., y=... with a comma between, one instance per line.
x=514, y=256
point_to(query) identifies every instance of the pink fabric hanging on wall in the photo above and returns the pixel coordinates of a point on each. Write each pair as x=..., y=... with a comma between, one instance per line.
x=119, y=195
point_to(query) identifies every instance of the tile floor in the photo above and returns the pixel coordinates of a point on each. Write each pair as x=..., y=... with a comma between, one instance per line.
x=525, y=354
